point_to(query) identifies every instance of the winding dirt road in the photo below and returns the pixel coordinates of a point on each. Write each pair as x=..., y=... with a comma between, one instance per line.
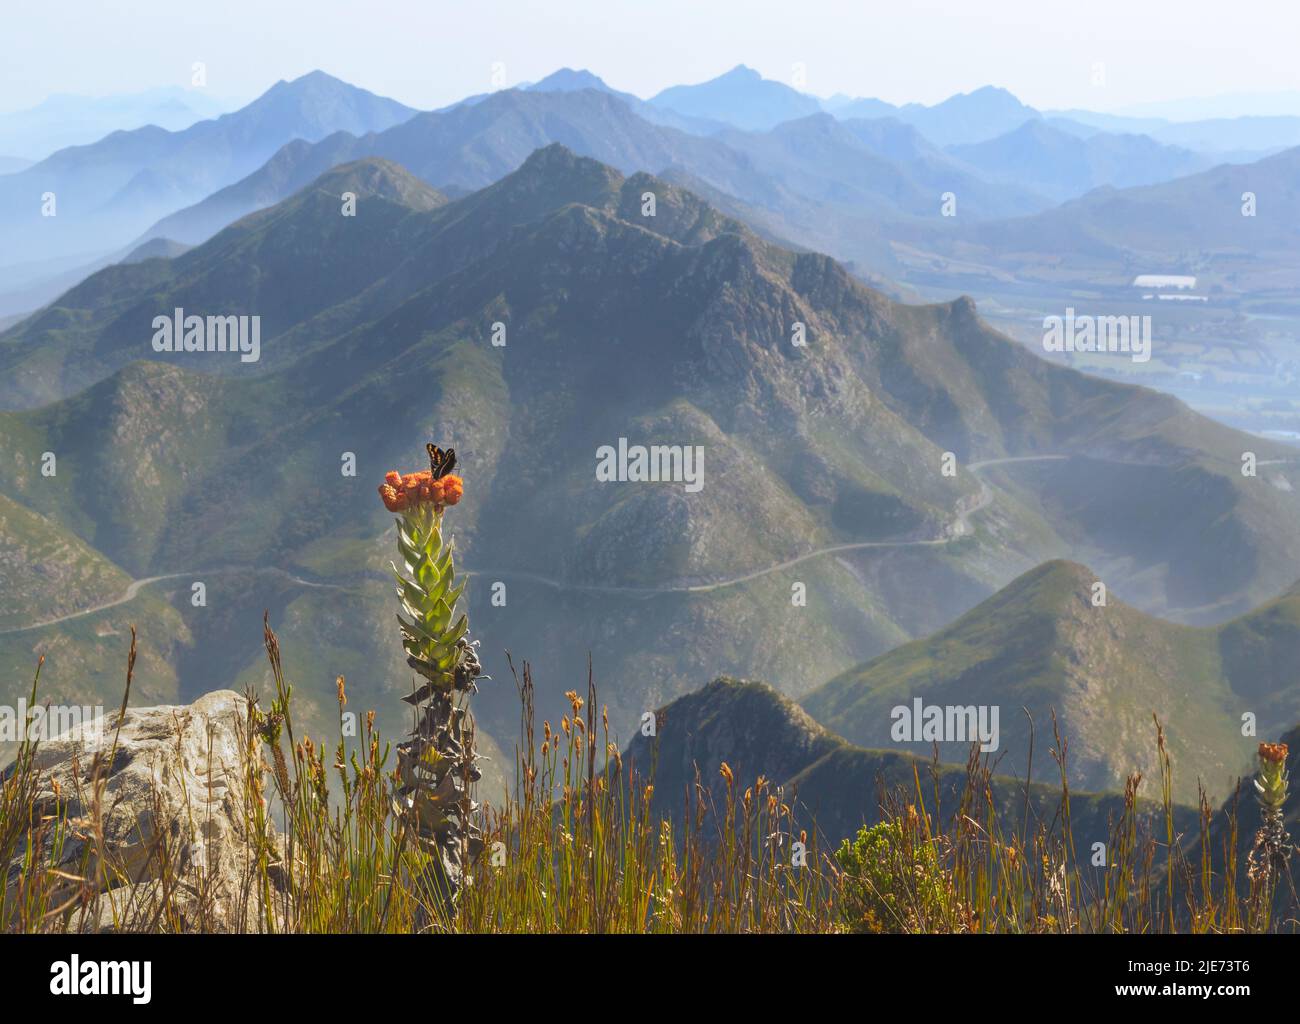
x=135, y=586
x=961, y=527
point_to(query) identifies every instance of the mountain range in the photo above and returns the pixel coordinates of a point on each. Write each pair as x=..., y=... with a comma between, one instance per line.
x=863, y=180
x=744, y=99
x=823, y=461
x=868, y=191
x=851, y=187
x=805, y=179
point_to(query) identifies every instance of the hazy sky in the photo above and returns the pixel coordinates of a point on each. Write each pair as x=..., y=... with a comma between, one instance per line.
x=429, y=52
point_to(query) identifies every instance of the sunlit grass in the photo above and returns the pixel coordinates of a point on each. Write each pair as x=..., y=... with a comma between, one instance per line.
x=578, y=848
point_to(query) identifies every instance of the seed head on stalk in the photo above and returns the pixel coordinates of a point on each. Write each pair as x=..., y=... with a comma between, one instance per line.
x=438, y=765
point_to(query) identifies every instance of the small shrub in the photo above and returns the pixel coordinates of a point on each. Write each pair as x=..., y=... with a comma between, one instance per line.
x=892, y=882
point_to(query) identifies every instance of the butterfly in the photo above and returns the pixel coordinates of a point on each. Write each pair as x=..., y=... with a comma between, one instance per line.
x=440, y=462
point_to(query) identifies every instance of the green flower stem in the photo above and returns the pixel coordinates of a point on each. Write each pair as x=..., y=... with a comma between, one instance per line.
x=438, y=764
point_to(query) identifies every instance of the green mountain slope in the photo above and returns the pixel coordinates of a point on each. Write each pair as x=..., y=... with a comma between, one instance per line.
x=285, y=264
x=1041, y=644
x=48, y=571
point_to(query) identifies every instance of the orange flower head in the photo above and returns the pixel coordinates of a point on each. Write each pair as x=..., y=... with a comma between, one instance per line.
x=401, y=491
x=394, y=500
x=1275, y=753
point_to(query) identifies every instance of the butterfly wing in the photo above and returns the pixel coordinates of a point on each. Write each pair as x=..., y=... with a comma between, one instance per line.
x=448, y=464
x=440, y=462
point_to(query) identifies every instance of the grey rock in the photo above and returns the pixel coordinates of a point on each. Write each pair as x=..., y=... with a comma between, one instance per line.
x=178, y=851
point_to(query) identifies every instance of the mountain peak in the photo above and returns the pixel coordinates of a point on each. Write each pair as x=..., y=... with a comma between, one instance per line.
x=740, y=73
x=554, y=177
x=558, y=163
x=568, y=79
x=375, y=176
x=1058, y=569
x=554, y=154
x=745, y=723
x=312, y=79
x=740, y=97
x=989, y=97
x=317, y=75
x=993, y=90
x=964, y=308
x=550, y=178
x=1054, y=587
x=156, y=248
x=324, y=102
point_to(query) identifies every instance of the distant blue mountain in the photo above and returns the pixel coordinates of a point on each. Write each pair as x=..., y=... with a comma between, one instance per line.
x=1062, y=166
x=62, y=120
x=742, y=97
x=106, y=193
x=968, y=117
x=802, y=179
x=1234, y=139
x=569, y=80
x=865, y=109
